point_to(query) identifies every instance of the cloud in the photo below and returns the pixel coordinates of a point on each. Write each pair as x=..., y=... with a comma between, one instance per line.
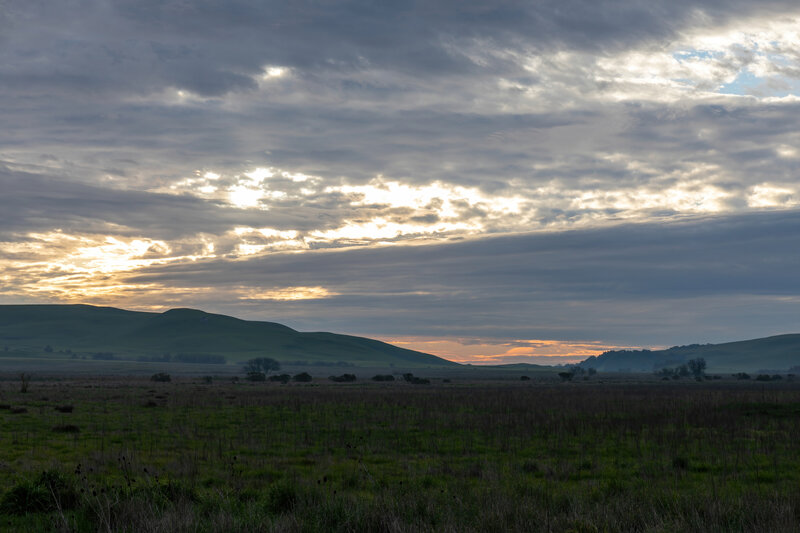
x=590, y=171
x=700, y=279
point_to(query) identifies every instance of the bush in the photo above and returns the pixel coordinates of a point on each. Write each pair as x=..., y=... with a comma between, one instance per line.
x=161, y=377
x=39, y=495
x=302, y=377
x=414, y=380
x=344, y=378
x=64, y=408
x=524, y=378
x=282, y=378
x=282, y=497
x=566, y=376
x=742, y=375
x=256, y=376
x=66, y=428
x=383, y=377
x=680, y=463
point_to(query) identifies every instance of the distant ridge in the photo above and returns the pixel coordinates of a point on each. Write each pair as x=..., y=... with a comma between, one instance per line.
x=80, y=330
x=777, y=353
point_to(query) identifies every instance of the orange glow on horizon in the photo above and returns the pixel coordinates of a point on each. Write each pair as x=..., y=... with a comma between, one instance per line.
x=495, y=351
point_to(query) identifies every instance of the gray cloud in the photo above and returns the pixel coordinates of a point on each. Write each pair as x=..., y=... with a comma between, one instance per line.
x=700, y=279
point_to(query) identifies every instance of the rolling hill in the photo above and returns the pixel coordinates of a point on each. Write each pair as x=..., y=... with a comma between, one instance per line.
x=778, y=353
x=81, y=331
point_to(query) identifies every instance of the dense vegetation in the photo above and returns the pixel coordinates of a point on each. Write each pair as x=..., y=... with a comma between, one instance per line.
x=211, y=455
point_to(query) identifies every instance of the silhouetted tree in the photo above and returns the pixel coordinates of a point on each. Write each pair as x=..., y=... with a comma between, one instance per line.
x=697, y=366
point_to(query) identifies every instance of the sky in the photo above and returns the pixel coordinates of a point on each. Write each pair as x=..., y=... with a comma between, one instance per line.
x=491, y=182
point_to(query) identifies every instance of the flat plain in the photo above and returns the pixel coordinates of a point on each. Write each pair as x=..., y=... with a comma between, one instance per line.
x=89, y=454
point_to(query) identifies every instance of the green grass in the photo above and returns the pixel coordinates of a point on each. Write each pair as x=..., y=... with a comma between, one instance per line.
x=467, y=456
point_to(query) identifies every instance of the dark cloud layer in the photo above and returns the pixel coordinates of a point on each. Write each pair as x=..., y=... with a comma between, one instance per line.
x=702, y=279
x=213, y=47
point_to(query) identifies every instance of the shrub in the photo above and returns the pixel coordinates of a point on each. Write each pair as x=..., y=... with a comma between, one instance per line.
x=48, y=492
x=66, y=428
x=764, y=377
x=524, y=378
x=302, y=377
x=256, y=376
x=282, y=497
x=680, y=463
x=742, y=375
x=282, y=378
x=566, y=376
x=64, y=408
x=414, y=380
x=383, y=377
x=344, y=378
x=161, y=376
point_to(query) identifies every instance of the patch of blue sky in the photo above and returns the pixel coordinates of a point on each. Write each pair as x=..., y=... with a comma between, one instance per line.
x=744, y=84
x=683, y=55
x=779, y=59
x=748, y=84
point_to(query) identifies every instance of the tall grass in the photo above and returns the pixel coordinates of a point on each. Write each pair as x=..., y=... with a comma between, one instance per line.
x=510, y=456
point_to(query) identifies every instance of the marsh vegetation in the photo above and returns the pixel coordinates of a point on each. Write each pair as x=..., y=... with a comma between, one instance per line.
x=211, y=455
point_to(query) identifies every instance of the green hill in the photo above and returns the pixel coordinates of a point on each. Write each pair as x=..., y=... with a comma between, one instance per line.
x=778, y=353
x=83, y=331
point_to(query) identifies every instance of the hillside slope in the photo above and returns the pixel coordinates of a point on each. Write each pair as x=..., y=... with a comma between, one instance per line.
x=81, y=330
x=780, y=352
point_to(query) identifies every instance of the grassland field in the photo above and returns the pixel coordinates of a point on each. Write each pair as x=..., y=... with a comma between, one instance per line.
x=85, y=454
